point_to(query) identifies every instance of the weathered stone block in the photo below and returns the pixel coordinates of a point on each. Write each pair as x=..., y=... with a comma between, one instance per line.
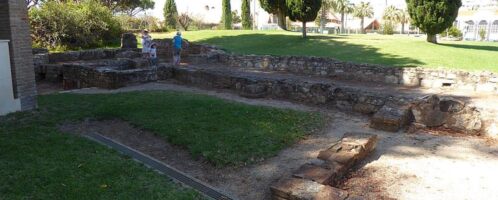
x=302, y=189
x=427, y=111
x=128, y=40
x=367, y=141
x=466, y=120
x=254, y=91
x=391, y=118
x=352, y=148
x=129, y=54
x=327, y=173
x=364, y=108
x=448, y=112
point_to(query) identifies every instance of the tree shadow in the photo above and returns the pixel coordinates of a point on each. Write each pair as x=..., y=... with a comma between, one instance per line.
x=475, y=47
x=314, y=45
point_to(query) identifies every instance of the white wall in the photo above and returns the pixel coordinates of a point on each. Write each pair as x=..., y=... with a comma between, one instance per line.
x=7, y=102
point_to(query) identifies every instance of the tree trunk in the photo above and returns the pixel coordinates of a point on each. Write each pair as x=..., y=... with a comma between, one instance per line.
x=342, y=22
x=281, y=20
x=304, y=29
x=402, y=28
x=431, y=38
x=362, y=23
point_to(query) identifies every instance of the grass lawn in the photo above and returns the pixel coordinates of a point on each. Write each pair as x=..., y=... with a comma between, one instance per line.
x=38, y=161
x=397, y=50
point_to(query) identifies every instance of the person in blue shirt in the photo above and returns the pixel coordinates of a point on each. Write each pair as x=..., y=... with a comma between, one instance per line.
x=177, y=47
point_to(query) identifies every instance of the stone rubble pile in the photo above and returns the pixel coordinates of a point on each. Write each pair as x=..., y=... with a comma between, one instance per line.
x=315, y=180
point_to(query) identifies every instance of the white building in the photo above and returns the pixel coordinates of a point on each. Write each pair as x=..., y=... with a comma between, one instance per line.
x=474, y=17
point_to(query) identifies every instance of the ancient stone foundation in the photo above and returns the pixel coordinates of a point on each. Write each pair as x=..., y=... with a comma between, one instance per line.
x=390, y=112
x=311, y=80
x=331, y=68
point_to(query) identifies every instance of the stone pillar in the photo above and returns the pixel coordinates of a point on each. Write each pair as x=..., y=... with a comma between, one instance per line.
x=14, y=26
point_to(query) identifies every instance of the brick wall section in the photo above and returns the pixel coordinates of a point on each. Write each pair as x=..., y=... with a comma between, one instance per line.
x=14, y=27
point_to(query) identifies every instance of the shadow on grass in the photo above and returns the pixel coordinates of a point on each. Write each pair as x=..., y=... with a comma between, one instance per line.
x=322, y=46
x=475, y=47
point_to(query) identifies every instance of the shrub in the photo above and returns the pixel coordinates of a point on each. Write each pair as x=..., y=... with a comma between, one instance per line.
x=73, y=25
x=387, y=27
x=452, y=32
x=482, y=34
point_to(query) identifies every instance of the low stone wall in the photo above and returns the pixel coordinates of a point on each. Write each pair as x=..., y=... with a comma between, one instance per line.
x=80, y=76
x=304, y=65
x=340, y=70
x=389, y=112
x=114, y=68
x=93, y=54
x=408, y=76
x=165, y=48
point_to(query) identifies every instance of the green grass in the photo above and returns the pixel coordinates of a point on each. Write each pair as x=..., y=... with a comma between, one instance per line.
x=38, y=161
x=397, y=50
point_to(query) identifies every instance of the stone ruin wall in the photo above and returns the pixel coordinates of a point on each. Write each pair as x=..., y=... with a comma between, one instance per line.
x=303, y=65
x=388, y=112
x=407, y=76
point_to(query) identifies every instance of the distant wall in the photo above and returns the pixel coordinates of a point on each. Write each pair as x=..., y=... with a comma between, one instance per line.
x=328, y=67
x=305, y=65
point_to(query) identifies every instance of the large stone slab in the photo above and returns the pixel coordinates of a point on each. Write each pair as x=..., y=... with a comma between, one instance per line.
x=352, y=148
x=303, y=189
x=391, y=118
x=326, y=173
x=448, y=112
x=128, y=40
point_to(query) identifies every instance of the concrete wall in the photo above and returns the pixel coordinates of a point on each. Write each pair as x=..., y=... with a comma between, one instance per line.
x=7, y=101
x=14, y=27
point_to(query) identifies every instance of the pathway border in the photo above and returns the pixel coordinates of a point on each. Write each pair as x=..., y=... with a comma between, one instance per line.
x=151, y=162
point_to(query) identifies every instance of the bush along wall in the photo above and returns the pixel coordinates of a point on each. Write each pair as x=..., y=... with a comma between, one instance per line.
x=73, y=25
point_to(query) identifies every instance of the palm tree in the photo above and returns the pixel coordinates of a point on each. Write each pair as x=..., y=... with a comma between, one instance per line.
x=390, y=17
x=343, y=7
x=326, y=6
x=402, y=17
x=390, y=13
x=363, y=10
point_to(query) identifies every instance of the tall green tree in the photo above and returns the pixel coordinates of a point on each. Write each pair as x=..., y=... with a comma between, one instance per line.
x=433, y=16
x=361, y=11
x=344, y=7
x=246, y=15
x=276, y=7
x=170, y=14
x=226, y=18
x=304, y=11
x=134, y=7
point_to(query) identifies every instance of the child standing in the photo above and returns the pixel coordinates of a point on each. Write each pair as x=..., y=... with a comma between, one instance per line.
x=153, y=54
x=177, y=47
x=146, y=42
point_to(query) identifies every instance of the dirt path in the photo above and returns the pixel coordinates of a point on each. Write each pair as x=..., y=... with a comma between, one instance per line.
x=404, y=166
